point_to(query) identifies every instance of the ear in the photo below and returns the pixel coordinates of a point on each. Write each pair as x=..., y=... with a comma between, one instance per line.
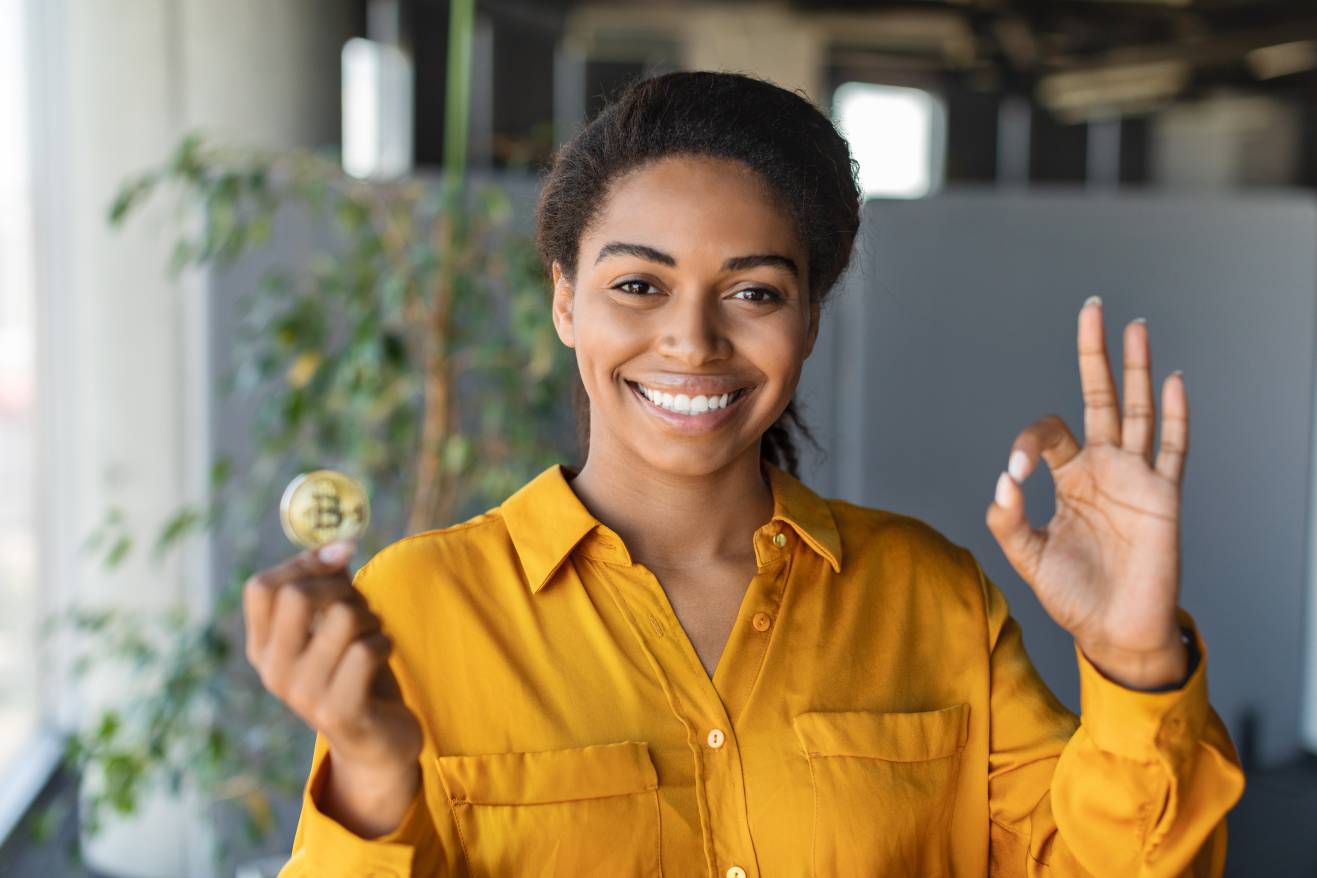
x=564, y=299
x=814, y=312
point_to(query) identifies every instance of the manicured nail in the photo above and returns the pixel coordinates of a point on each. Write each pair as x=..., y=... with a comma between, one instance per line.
x=1018, y=465
x=1139, y=320
x=1003, y=489
x=336, y=552
x=1093, y=300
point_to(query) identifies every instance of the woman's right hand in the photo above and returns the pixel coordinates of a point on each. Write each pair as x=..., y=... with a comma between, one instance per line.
x=320, y=650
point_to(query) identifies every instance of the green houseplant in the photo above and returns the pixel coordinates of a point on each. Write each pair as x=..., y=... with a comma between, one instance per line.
x=413, y=349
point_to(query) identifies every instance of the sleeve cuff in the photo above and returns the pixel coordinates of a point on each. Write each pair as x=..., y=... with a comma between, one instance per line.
x=341, y=852
x=1140, y=724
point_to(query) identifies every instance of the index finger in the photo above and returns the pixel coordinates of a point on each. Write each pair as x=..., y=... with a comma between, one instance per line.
x=1101, y=415
x=259, y=591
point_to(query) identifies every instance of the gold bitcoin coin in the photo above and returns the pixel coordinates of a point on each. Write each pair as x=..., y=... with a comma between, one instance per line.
x=323, y=506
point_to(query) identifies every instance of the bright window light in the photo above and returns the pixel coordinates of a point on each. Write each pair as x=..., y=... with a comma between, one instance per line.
x=896, y=134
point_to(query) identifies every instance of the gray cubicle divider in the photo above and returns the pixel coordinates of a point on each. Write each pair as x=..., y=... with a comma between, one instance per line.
x=956, y=328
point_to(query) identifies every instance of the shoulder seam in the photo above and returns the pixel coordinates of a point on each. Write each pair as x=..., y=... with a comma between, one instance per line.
x=488, y=517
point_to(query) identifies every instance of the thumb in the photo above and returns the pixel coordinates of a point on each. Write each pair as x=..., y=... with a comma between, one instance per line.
x=1006, y=518
x=336, y=554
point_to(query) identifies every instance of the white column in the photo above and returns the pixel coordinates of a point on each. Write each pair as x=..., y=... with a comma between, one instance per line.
x=118, y=84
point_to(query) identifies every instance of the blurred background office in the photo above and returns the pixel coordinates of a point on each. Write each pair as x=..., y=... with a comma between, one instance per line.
x=240, y=239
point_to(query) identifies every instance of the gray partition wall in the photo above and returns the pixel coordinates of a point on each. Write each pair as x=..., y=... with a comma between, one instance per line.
x=956, y=328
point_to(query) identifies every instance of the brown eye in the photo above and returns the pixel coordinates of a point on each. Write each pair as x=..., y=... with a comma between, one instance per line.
x=633, y=283
x=761, y=294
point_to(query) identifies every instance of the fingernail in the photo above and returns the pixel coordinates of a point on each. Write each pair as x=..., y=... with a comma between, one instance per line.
x=1179, y=372
x=1018, y=465
x=336, y=552
x=1003, y=489
x=1093, y=300
x=1139, y=320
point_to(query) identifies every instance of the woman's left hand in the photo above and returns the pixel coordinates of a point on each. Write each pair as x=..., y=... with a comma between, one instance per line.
x=1107, y=566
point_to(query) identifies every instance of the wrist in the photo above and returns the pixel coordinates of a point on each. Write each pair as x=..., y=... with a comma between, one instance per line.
x=369, y=799
x=1150, y=670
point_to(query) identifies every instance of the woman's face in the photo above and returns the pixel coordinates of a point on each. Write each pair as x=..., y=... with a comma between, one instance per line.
x=690, y=315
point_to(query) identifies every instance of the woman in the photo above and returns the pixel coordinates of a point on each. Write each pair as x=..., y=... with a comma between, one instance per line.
x=678, y=659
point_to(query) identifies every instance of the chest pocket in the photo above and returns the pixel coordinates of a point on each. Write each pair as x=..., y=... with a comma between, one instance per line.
x=884, y=785
x=590, y=810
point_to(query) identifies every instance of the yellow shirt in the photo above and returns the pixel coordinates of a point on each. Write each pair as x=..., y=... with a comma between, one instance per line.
x=873, y=713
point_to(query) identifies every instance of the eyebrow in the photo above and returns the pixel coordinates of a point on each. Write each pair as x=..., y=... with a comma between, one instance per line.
x=735, y=263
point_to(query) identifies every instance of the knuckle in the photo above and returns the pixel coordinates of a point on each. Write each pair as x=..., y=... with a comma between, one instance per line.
x=275, y=681
x=340, y=616
x=327, y=715
x=1099, y=398
x=357, y=652
x=293, y=599
x=363, y=652
x=301, y=699
x=259, y=581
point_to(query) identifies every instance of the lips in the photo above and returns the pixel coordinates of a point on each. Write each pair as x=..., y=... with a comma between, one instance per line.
x=690, y=421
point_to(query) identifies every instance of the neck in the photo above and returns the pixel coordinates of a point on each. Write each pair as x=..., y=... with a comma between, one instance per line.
x=675, y=521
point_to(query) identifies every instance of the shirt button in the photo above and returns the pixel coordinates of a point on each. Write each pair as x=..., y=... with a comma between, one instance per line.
x=761, y=621
x=716, y=738
x=736, y=872
x=779, y=540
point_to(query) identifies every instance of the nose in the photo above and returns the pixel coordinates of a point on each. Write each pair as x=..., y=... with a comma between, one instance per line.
x=693, y=331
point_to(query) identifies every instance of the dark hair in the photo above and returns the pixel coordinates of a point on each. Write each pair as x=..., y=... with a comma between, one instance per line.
x=779, y=134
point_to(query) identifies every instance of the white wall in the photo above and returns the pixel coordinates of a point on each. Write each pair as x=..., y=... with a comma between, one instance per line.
x=116, y=86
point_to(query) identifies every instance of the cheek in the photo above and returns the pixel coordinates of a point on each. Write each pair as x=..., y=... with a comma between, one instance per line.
x=605, y=339
x=775, y=346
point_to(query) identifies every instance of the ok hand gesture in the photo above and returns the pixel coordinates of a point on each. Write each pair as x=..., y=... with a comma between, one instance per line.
x=1107, y=566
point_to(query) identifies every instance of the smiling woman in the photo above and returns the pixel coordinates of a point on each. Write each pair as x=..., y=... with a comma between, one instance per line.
x=677, y=658
x=788, y=178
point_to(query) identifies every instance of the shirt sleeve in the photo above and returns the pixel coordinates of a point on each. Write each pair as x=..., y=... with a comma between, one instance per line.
x=1138, y=785
x=323, y=848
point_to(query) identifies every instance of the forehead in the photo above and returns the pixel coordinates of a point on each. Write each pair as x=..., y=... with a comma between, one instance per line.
x=693, y=206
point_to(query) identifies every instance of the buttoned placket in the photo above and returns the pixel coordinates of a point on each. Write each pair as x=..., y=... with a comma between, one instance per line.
x=710, y=709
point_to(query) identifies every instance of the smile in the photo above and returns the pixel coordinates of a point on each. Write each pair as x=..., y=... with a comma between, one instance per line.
x=699, y=412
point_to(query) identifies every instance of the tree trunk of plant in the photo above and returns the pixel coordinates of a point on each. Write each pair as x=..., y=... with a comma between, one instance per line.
x=435, y=498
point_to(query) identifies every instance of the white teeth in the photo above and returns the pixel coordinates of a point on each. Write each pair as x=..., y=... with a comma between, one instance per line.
x=686, y=405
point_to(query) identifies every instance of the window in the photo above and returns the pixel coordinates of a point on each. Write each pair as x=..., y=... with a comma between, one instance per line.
x=21, y=713
x=897, y=135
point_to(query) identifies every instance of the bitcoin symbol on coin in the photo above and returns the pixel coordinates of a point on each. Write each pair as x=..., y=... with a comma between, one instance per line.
x=322, y=506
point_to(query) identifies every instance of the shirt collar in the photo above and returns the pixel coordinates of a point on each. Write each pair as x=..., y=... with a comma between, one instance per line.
x=546, y=520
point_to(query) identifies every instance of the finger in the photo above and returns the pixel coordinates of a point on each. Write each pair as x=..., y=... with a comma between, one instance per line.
x=1049, y=438
x=1019, y=541
x=297, y=606
x=340, y=623
x=1137, y=422
x=330, y=558
x=1101, y=417
x=257, y=607
x=1175, y=428
x=259, y=591
x=350, y=685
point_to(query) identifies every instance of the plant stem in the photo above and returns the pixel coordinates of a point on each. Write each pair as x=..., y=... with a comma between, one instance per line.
x=435, y=499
